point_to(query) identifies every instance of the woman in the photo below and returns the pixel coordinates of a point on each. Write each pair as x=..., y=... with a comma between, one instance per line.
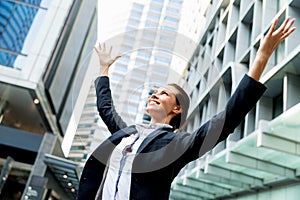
x=141, y=161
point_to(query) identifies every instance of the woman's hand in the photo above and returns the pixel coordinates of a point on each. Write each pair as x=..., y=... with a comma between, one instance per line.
x=274, y=38
x=269, y=44
x=105, y=58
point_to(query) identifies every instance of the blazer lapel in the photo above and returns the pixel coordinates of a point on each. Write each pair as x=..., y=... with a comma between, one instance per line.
x=151, y=137
x=119, y=135
x=103, y=151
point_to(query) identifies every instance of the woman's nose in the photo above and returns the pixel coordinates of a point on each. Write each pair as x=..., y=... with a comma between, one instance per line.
x=153, y=96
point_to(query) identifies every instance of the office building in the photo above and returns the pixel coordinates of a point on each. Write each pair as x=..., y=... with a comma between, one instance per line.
x=260, y=160
x=45, y=57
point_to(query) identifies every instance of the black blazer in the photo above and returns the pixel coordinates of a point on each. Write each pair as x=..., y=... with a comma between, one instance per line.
x=163, y=153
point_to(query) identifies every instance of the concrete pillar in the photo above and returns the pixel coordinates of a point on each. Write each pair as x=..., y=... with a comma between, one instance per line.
x=5, y=171
x=35, y=186
x=291, y=91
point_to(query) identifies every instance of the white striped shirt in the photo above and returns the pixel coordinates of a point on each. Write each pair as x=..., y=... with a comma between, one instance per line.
x=118, y=179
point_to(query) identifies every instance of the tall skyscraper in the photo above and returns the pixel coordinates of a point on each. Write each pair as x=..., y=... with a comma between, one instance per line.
x=85, y=132
x=259, y=159
x=45, y=57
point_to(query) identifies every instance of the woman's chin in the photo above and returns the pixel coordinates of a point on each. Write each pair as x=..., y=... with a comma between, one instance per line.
x=150, y=108
x=156, y=114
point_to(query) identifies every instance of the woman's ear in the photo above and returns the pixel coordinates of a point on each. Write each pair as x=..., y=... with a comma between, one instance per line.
x=177, y=110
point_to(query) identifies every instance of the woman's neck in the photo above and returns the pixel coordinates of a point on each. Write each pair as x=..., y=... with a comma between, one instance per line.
x=160, y=121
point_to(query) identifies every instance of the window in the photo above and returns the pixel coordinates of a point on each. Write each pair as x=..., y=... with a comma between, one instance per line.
x=179, y=2
x=78, y=148
x=162, y=60
x=16, y=21
x=139, y=74
x=135, y=97
x=86, y=115
x=133, y=23
x=90, y=105
x=144, y=54
x=124, y=59
x=120, y=68
x=136, y=15
x=149, y=35
x=158, y=1
x=168, y=28
x=137, y=6
x=140, y=64
x=171, y=19
x=132, y=108
x=151, y=24
x=160, y=70
x=166, y=39
x=85, y=125
x=173, y=10
x=155, y=9
x=125, y=48
x=153, y=18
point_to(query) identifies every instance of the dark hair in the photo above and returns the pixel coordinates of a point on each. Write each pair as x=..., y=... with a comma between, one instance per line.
x=182, y=99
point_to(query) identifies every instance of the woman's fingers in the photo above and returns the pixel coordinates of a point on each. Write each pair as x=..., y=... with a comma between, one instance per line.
x=285, y=28
x=102, y=48
x=283, y=25
x=105, y=57
x=272, y=29
x=275, y=36
x=96, y=49
x=288, y=33
x=288, y=30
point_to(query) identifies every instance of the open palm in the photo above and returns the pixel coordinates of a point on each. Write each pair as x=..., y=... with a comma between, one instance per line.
x=105, y=58
x=275, y=37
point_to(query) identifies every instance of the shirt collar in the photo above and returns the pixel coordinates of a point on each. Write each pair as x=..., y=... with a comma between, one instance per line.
x=155, y=126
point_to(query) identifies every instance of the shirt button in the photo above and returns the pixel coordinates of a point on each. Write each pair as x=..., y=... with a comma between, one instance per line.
x=152, y=126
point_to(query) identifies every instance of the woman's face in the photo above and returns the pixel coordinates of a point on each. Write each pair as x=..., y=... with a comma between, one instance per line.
x=162, y=104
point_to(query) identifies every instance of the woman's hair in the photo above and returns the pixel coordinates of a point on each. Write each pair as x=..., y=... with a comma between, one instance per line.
x=183, y=100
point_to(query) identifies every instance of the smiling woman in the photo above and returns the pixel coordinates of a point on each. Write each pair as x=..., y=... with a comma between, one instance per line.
x=141, y=161
x=173, y=106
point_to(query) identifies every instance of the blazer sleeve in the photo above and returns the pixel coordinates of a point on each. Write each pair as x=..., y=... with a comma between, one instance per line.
x=105, y=105
x=221, y=125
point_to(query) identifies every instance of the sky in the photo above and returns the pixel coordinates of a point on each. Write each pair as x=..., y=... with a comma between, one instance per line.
x=111, y=14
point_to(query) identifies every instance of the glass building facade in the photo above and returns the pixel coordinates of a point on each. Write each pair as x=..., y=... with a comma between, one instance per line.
x=15, y=21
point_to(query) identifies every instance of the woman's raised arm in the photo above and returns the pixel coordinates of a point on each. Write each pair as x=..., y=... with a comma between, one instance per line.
x=105, y=106
x=269, y=44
